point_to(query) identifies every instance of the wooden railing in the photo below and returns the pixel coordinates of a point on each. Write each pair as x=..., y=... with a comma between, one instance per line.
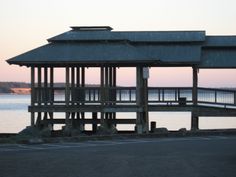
x=216, y=96
x=127, y=95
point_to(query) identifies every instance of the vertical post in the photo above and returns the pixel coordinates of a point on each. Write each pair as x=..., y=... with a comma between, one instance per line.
x=106, y=90
x=114, y=77
x=51, y=94
x=82, y=76
x=215, y=96
x=195, y=85
x=45, y=90
x=72, y=78
x=73, y=94
x=106, y=82
x=45, y=84
x=146, y=114
x=142, y=122
x=39, y=97
x=32, y=94
x=51, y=85
x=234, y=97
x=110, y=90
x=94, y=127
x=83, y=85
x=163, y=94
x=67, y=94
x=194, y=117
x=78, y=90
x=194, y=122
x=102, y=94
x=114, y=85
x=145, y=75
x=110, y=76
x=139, y=120
x=176, y=94
x=39, y=86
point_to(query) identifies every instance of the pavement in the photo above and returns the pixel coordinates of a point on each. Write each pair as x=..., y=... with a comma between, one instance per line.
x=208, y=156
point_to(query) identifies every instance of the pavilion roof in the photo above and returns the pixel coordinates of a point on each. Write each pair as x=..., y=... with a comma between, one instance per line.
x=101, y=46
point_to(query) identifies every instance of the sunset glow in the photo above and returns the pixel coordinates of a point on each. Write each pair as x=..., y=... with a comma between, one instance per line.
x=27, y=24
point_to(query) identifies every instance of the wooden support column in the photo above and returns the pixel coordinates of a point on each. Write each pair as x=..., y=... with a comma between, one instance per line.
x=83, y=77
x=39, y=86
x=67, y=95
x=102, y=94
x=45, y=91
x=145, y=99
x=77, y=94
x=106, y=82
x=94, y=126
x=114, y=94
x=72, y=81
x=51, y=85
x=139, y=119
x=194, y=122
x=32, y=94
x=195, y=85
x=194, y=118
x=45, y=85
x=73, y=95
x=106, y=90
x=38, y=122
x=114, y=77
x=51, y=96
x=145, y=76
x=83, y=85
x=110, y=91
x=110, y=76
x=142, y=121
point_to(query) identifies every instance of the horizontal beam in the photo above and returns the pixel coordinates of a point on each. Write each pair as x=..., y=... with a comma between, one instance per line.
x=201, y=111
x=134, y=88
x=170, y=108
x=84, y=108
x=204, y=111
x=91, y=121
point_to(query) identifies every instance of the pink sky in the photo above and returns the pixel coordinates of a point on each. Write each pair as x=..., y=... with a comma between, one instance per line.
x=27, y=24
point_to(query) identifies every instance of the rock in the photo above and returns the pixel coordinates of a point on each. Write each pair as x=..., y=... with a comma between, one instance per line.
x=183, y=131
x=105, y=130
x=75, y=132
x=46, y=132
x=30, y=131
x=34, y=132
x=161, y=130
x=67, y=130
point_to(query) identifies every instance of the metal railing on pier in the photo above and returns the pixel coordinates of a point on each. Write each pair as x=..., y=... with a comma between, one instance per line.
x=127, y=95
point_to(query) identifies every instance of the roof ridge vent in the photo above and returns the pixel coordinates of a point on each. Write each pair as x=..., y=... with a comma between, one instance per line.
x=92, y=28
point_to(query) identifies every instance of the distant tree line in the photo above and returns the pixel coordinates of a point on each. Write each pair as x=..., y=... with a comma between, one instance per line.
x=5, y=87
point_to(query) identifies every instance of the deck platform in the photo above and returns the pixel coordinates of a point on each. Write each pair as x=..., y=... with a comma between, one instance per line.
x=107, y=50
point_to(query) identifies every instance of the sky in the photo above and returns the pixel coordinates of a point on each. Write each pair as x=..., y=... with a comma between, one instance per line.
x=26, y=24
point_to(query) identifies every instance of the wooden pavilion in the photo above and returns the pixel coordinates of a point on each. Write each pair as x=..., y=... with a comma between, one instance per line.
x=100, y=46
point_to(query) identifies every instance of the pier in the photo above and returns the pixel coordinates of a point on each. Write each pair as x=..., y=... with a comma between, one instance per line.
x=101, y=47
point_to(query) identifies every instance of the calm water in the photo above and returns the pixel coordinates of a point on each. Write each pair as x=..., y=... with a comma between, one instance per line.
x=14, y=117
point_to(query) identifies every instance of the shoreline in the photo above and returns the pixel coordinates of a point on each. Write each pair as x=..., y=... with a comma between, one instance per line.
x=6, y=138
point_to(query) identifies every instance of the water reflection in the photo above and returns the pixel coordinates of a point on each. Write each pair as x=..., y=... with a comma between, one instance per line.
x=14, y=117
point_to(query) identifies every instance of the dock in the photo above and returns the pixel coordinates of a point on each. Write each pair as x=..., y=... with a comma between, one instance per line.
x=108, y=50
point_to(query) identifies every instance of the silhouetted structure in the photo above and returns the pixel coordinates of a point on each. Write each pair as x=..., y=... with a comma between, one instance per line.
x=99, y=46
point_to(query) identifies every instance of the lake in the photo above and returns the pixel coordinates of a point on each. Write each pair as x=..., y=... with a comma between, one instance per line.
x=14, y=117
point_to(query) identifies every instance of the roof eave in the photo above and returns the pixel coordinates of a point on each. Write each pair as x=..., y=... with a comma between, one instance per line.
x=143, y=62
